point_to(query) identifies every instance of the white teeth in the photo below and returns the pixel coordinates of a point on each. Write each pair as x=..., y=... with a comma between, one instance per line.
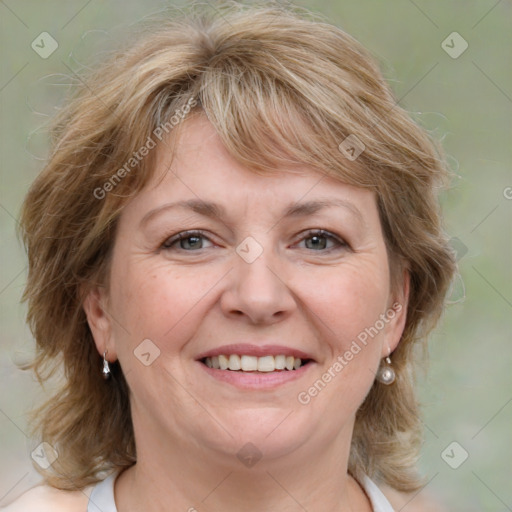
x=223, y=362
x=245, y=363
x=234, y=362
x=266, y=364
x=280, y=362
x=249, y=363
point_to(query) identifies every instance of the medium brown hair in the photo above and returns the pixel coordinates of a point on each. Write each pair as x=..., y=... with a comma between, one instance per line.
x=281, y=87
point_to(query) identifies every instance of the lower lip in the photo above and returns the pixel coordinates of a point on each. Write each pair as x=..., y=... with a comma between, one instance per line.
x=256, y=380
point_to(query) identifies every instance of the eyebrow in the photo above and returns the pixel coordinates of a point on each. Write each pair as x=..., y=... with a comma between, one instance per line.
x=216, y=211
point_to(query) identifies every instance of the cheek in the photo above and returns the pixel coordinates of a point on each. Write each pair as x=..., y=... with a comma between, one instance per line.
x=348, y=308
x=158, y=302
x=347, y=299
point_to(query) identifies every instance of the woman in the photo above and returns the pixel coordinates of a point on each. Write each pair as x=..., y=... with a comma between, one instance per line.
x=234, y=249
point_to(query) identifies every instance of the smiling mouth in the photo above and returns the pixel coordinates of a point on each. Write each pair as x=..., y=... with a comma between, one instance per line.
x=246, y=363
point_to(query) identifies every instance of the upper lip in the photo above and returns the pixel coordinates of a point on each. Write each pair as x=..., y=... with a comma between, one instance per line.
x=255, y=350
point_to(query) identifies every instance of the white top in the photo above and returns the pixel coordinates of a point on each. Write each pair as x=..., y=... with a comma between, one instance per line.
x=101, y=498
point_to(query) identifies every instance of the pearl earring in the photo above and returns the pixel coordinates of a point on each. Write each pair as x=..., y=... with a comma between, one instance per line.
x=385, y=374
x=106, y=368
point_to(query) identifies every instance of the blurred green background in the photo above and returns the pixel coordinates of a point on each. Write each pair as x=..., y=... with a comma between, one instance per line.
x=466, y=101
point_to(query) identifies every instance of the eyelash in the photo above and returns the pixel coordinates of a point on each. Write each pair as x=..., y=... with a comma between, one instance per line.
x=173, y=239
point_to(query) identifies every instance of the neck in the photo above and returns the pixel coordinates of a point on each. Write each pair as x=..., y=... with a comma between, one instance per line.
x=191, y=478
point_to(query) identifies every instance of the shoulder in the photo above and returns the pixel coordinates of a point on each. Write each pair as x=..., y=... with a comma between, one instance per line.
x=44, y=498
x=420, y=501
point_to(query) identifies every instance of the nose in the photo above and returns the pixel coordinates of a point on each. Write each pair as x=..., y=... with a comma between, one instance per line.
x=258, y=291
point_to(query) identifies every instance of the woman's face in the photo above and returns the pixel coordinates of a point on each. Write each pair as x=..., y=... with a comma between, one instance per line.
x=251, y=276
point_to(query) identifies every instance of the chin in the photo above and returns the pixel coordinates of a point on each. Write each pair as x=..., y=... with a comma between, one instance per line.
x=266, y=433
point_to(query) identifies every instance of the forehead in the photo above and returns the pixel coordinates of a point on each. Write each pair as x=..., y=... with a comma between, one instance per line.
x=196, y=165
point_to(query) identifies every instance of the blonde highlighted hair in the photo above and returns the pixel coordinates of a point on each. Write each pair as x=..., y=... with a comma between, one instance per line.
x=281, y=87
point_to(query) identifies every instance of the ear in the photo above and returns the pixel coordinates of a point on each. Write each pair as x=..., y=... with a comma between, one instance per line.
x=99, y=321
x=397, y=315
